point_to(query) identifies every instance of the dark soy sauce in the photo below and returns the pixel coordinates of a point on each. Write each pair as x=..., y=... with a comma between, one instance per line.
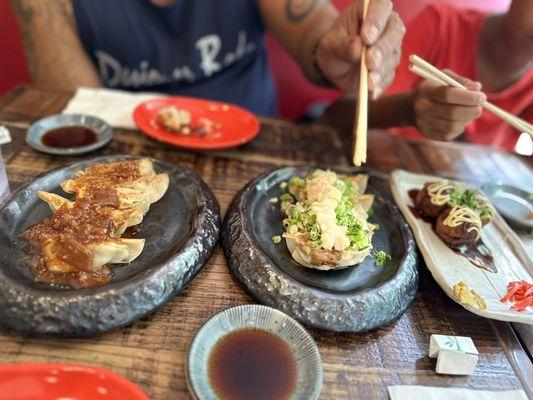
x=252, y=364
x=69, y=136
x=477, y=253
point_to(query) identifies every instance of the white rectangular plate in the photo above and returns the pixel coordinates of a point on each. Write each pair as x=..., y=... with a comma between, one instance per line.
x=449, y=268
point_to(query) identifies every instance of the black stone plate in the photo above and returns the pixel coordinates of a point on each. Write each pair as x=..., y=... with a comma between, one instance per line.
x=354, y=299
x=180, y=230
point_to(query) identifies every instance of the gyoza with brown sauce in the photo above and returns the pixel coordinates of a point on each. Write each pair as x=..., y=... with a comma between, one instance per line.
x=75, y=244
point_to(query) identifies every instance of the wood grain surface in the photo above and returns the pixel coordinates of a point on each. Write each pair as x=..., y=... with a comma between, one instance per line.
x=152, y=351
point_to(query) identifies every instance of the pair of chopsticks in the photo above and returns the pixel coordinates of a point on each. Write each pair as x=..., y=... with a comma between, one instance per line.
x=428, y=71
x=361, y=113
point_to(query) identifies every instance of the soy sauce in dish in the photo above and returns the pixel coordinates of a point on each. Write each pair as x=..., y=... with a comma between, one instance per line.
x=69, y=136
x=254, y=364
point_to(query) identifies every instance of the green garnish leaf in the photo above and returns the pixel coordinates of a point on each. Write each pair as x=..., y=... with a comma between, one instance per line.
x=359, y=236
x=286, y=197
x=276, y=239
x=296, y=181
x=381, y=257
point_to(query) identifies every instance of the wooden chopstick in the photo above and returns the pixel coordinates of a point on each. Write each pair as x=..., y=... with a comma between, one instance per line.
x=361, y=113
x=428, y=71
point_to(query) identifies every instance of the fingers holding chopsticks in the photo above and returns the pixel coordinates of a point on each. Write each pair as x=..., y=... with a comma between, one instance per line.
x=458, y=96
x=384, y=55
x=443, y=112
x=382, y=32
x=377, y=17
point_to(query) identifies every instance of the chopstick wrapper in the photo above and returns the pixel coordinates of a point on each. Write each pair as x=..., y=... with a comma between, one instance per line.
x=412, y=392
x=113, y=106
x=456, y=355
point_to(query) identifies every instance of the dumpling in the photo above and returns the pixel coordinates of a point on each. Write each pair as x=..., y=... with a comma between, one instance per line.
x=64, y=254
x=122, y=219
x=129, y=184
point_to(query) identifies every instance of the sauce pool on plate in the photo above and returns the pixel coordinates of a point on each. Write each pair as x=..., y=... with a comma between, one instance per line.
x=254, y=364
x=69, y=136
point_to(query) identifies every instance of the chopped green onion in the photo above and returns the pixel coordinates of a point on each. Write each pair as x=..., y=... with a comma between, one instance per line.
x=293, y=229
x=296, y=181
x=283, y=186
x=276, y=239
x=381, y=257
x=286, y=197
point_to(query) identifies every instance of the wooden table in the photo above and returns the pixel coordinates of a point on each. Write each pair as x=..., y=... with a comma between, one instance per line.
x=151, y=352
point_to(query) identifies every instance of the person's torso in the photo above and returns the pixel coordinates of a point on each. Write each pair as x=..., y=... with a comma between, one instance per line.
x=203, y=48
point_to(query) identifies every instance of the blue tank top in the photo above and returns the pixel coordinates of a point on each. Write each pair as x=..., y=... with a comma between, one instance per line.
x=203, y=48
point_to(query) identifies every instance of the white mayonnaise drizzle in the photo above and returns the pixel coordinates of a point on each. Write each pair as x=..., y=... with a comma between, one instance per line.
x=459, y=215
x=438, y=192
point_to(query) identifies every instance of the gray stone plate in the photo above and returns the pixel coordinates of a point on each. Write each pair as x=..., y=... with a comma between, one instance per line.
x=180, y=230
x=354, y=299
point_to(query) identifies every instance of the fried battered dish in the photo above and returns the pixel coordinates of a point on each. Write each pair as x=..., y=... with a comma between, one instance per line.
x=458, y=226
x=174, y=119
x=326, y=225
x=433, y=198
x=460, y=213
x=74, y=245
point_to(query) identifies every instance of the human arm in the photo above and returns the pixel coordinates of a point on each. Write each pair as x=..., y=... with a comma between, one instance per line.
x=54, y=52
x=328, y=45
x=438, y=112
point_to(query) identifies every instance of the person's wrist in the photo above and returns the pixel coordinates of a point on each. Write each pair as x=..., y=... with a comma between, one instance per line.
x=410, y=112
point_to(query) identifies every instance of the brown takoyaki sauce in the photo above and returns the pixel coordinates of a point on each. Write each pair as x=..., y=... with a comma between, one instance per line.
x=412, y=194
x=477, y=253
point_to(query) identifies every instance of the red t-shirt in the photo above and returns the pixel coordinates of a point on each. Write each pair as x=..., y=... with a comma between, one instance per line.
x=447, y=37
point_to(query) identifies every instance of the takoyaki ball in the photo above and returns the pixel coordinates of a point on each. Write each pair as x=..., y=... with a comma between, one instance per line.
x=424, y=205
x=455, y=236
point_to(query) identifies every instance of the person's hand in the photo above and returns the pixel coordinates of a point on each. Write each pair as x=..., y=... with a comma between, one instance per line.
x=443, y=112
x=339, y=51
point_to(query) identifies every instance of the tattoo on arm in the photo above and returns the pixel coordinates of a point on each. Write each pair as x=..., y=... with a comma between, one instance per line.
x=25, y=14
x=296, y=10
x=45, y=14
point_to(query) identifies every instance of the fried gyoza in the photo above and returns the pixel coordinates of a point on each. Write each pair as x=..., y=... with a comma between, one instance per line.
x=82, y=236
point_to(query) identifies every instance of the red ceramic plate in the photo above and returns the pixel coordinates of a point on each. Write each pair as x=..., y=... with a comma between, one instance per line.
x=41, y=381
x=233, y=125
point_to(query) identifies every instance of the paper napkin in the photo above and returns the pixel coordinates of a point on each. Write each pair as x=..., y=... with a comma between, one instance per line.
x=409, y=392
x=113, y=106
